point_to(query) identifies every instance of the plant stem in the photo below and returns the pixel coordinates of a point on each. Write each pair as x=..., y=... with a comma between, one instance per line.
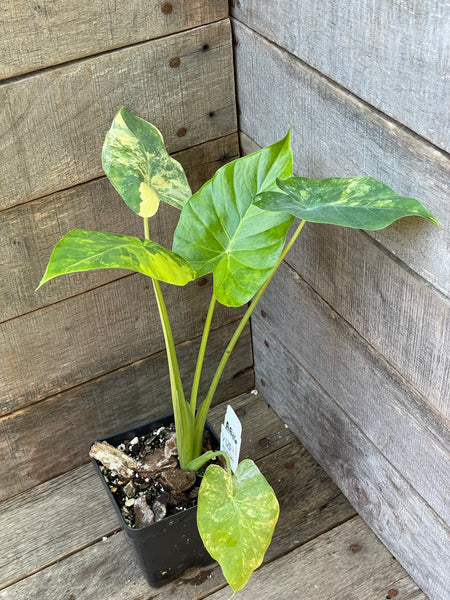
x=184, y=418
x=204, y=407
x=197, y=463
x=201, y=353
x=146, y=229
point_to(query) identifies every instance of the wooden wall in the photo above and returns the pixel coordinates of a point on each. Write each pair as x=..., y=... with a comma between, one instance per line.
x=352, y=340
x=83, y=356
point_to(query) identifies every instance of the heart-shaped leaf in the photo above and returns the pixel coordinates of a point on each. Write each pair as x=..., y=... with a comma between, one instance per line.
x=358, y=202
x=82, y=250
x=236, y=516
x=137, y=164
x=221, y=231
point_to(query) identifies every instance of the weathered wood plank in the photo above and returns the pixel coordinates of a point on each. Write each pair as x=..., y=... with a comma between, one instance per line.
x=62, y=345
x=326, y=568
x=326, y=564
x=391, y=413
x=34, y=36
x=113, y=402
x=393, y=55
x=335, y=134
x=399, y=516
x=30, y=231
x=54, y=122
x=47, y=537
x=405, y=320
x=401, y=317
x=71, y=514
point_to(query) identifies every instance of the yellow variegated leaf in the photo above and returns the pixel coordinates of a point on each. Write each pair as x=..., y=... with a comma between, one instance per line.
x=236, y=517
x=137, y=164
x=82, y=250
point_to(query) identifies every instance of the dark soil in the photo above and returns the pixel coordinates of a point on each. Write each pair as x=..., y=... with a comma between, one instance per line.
x=162, y=498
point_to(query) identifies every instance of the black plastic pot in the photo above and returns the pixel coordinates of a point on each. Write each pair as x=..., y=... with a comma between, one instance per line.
x=172, y=545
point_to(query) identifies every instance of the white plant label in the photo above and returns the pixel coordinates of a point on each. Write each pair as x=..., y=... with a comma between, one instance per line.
x=230, y=437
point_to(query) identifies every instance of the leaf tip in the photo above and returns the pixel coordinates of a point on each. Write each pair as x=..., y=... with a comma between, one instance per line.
x=435, y=221
x=42, y=281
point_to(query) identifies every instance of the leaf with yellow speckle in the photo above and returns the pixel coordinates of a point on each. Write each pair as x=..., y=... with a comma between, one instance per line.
x=82, y=250
x=137, y=164
x=236, y=517
x=358, y=202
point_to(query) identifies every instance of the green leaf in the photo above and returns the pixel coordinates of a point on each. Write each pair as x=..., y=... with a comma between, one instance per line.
x=137, y=164
x=82, y=250
x=358, y=202
x=221, y=231
x=236, y=517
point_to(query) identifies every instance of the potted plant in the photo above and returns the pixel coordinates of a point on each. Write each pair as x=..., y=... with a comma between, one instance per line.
x=235, y=227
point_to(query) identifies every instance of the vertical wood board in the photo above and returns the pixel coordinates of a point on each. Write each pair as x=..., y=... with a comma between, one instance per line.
x=28, y=232
x=402, y=520
x=336, y=135
x=394, y=55
x=34, y=35
x=396, y=419
x=55, y=121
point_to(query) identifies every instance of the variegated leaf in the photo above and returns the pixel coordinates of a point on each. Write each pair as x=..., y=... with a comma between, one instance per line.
x=137, y=164
x=236, y=517
x=221, y=230
x=358, y=202
x=82, y=250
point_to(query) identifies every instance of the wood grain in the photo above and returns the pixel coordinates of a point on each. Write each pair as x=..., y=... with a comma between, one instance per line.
x=336, y=135
x=54, y=122
x=391, y=413
x=326, y=568
x=48, y=536
x=324, y=564
x=37, y=35
x=110, y=403
x=400, y=517
x=394, y=55
x=65, y=344
x=403, y=319
x=29, y=231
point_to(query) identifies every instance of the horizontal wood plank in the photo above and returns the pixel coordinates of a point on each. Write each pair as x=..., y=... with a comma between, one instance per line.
x=113, y=402
x=399, y=516
x=326, y=564
x=55, y=121
x=30, y=231
x=65, y=344
x=405, y=320
x=38, y=35
x=392, y=55
x=321, y=507
x=326, y=568
x=336, y=135
x=401, y=317
x=396, y=419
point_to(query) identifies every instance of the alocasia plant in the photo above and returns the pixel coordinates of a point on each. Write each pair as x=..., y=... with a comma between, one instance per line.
x=235, y=227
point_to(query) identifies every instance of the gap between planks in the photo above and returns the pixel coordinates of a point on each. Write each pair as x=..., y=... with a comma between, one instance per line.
x=345, y=90
x=20, y=77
